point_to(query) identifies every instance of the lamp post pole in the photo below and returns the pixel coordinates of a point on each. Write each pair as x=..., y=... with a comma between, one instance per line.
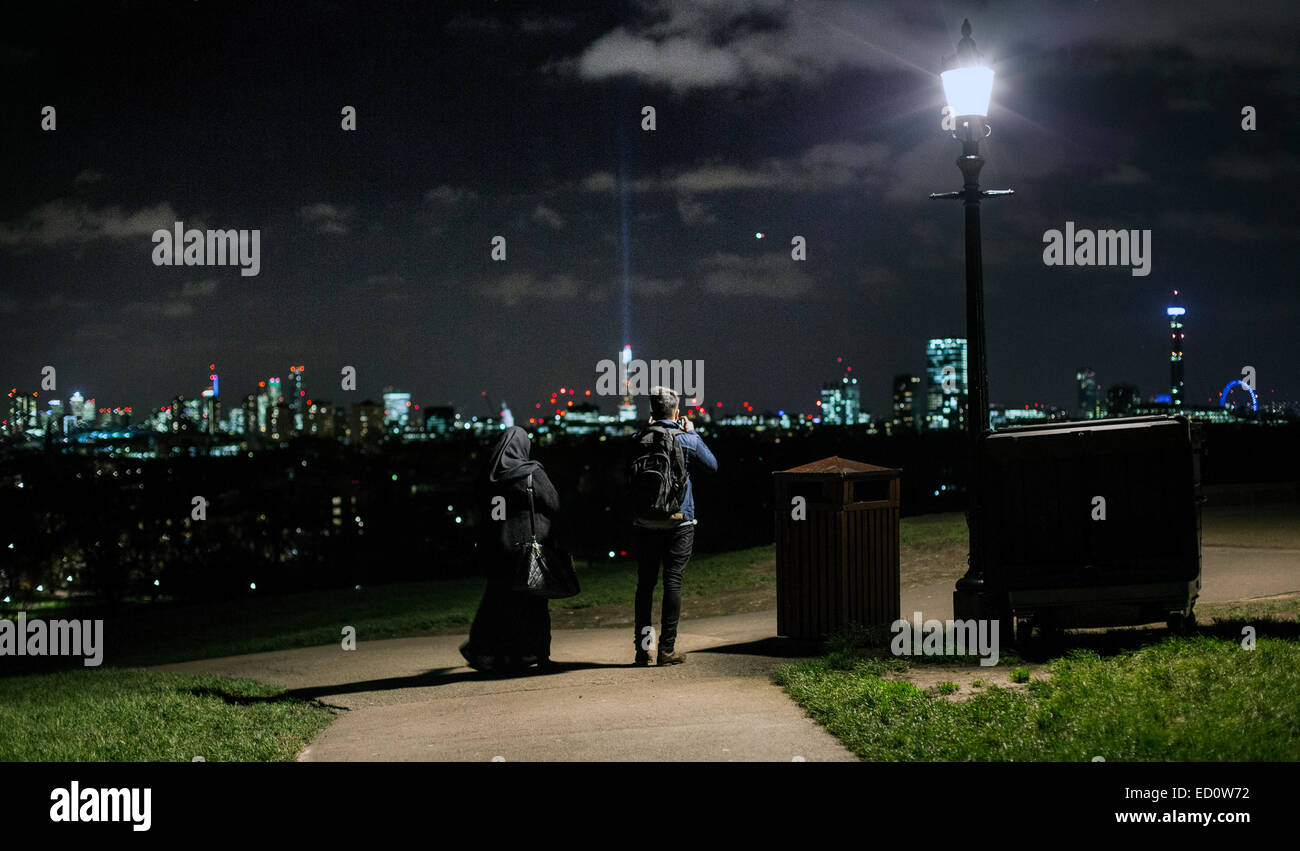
x=968, y=600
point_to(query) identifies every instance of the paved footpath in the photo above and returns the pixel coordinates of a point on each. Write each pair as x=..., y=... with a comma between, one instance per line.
x=414, y=699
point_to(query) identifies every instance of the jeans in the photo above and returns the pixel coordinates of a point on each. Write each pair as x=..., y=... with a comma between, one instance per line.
x=672, y=549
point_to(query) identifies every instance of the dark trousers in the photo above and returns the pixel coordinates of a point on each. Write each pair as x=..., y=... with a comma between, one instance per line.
x=672, y=549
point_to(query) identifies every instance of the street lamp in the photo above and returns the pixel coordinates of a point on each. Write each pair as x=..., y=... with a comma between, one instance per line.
x=968, y=87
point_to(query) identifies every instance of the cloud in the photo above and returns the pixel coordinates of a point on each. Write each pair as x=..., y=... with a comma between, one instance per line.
x=327, y=218
x=544, y=215
x=51, y=302
x=89, y=175
x=178, y=305
x=832, y=165
x=693, y=212
x=199, y=289
x=688, y=46
x=512, y=289
x=450, y=196
x=681, y=62
x=601, y=181
x=63, y=222
x=774, y=276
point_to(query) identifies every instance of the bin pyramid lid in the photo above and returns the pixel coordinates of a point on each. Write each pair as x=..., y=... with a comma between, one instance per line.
x=837, y=466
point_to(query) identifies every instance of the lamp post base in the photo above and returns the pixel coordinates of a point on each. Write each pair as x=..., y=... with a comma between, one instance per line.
x=979, y=604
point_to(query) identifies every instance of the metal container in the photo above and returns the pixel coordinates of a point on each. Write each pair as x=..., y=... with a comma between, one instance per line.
x=1094, y=523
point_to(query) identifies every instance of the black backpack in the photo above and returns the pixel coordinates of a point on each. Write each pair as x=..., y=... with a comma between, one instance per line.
x=657, y=474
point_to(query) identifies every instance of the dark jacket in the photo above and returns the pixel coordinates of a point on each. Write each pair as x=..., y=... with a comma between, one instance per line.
x=502, y=537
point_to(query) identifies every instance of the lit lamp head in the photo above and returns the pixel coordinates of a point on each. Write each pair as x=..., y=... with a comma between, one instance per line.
x=967, y=81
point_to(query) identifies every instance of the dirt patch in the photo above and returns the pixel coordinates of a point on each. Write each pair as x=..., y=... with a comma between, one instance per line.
x=927, y=564
x=965, y=677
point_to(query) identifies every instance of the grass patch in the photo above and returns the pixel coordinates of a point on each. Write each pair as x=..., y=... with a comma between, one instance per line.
x=1195, y=699
x=127, y=715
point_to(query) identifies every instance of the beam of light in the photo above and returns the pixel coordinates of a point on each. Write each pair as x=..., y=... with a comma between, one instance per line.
x=625, y=227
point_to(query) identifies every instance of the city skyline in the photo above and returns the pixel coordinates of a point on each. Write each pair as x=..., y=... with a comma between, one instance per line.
x=937, y=406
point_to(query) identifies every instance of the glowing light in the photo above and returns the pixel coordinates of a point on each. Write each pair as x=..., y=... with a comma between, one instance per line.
x=968, y=90
x=1175, y=311
x=758, y=235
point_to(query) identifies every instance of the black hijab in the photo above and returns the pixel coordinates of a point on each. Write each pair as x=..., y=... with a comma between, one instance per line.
x=510, y=457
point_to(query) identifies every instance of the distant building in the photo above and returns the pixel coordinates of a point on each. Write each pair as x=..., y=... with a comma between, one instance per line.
x=583, y=418
x=907, y=389
x=21, y=415
x=440, y=420
x=298, y=398
x=1089, y=395
x=946, y=383
x=319, y=419
x=841, y=401
x=368, y=424
x=1122, y=400
x=397, y=410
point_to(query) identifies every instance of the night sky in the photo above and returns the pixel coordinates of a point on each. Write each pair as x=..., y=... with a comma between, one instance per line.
x=819, y=119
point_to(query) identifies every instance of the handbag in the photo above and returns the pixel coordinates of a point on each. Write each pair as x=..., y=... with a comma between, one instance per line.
x=542, y=570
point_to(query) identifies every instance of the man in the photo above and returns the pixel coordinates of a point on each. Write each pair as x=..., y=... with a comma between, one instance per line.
x=669, y=450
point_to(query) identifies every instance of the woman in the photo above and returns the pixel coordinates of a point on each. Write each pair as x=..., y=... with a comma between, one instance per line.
x=512, y=630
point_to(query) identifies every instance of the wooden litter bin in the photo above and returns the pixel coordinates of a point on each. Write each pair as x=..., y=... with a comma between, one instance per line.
x=837, y=548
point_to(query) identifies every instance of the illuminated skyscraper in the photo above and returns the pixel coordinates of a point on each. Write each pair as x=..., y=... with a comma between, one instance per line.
x=298, y=399
x=397, y=409
x=1175, y=312
x=907, y=389
x=946, y=383
x=841, y=400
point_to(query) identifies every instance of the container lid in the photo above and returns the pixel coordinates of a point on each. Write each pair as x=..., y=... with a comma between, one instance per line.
x=837, y=466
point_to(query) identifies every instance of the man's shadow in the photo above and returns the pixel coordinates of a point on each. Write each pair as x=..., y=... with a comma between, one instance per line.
x=442, y=677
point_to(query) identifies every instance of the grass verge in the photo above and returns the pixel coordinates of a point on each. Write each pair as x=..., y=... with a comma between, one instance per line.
x=127, y=715
x=1196, y=699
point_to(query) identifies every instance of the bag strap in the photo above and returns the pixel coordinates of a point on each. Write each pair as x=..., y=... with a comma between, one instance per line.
x=532, y=514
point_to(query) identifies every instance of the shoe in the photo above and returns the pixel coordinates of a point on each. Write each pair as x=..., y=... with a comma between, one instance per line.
x=642, y=659
x=670, y=658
